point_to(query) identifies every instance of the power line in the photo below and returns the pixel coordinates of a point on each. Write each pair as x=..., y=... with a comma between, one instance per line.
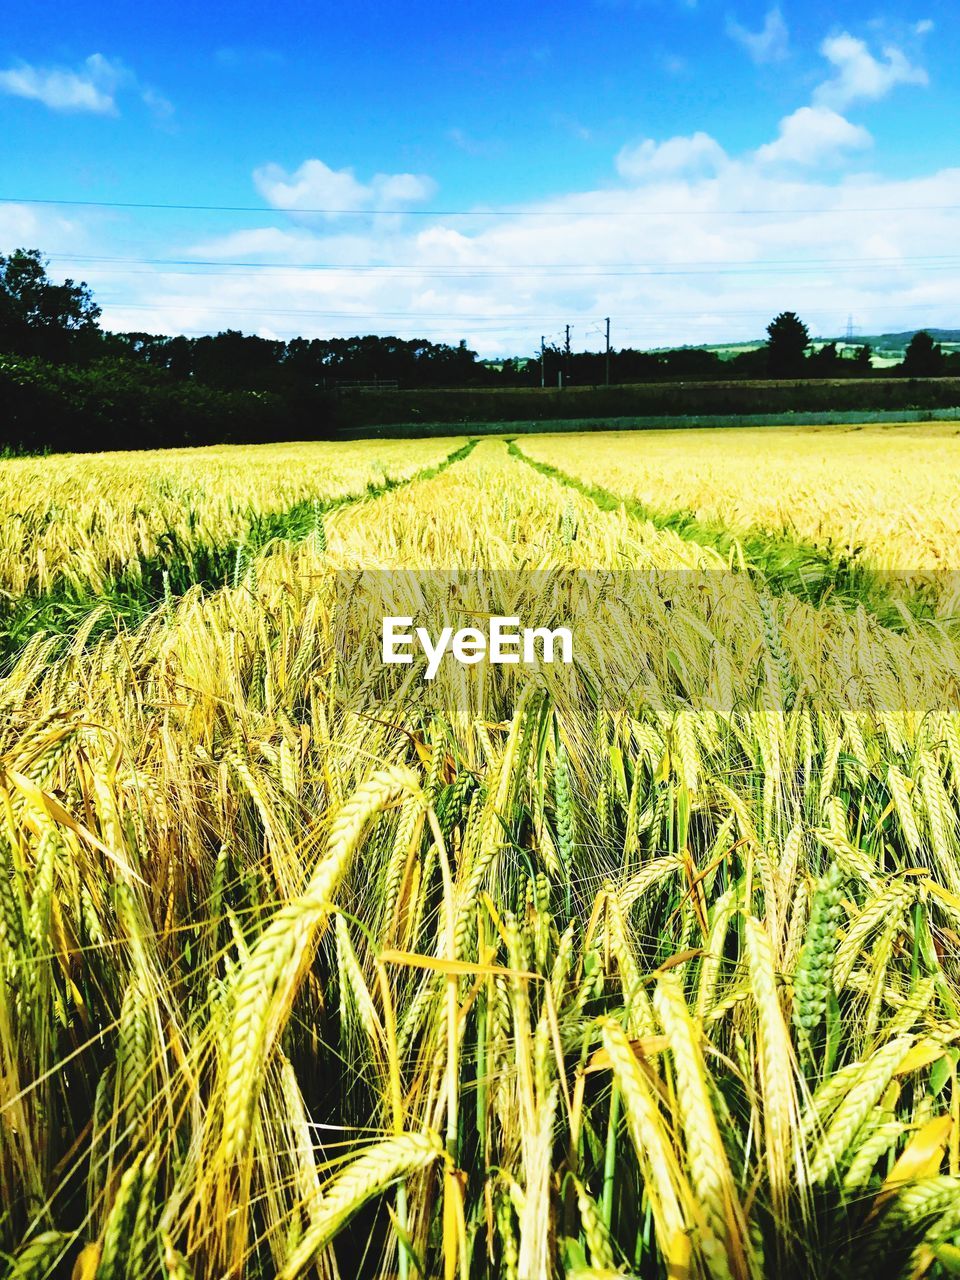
x=64, y=255
x=632, y=328
x=496, y=322
x=157, y=205
x=238, y=269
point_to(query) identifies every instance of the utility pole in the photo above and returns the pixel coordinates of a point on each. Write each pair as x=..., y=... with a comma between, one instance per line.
x=543, y=349
x=608, y=351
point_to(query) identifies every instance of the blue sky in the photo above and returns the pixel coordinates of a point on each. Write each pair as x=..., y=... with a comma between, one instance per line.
x=703, y=163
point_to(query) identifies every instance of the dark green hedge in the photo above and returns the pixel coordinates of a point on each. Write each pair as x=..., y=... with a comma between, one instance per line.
x=121, y=404
x=668, y=400
x=118, y=403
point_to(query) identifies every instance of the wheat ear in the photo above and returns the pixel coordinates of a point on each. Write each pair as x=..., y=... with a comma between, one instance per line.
x=367, y=1176
x=268, y=980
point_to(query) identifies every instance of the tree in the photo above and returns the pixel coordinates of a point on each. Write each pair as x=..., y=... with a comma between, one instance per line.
x=751, y=364
x=787, y=340
x=863, y=358
x=924, y=358
x=38, y=317
x=825, y=363
x=233, y=361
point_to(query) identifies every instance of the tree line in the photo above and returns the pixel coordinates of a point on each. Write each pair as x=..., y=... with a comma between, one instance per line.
x=66, y=382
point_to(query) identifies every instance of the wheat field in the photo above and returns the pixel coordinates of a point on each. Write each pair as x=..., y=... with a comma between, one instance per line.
x=642, y=966
x=883, y=494
x=122, y=529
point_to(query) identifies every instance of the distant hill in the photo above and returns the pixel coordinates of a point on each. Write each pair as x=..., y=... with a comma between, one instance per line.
x=895, y=344
x=950, y=336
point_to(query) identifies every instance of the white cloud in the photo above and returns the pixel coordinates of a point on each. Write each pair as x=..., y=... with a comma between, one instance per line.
x=390, y=190
x=649, y=159
x=693, y=244
x=315, y=186
x=924, y=27
x=37, y=226
x=814, y=136
x=859, y=76
x=161, y=107
x=671, y=261
x=93, y=87
x=770, y=44
x=258, y=243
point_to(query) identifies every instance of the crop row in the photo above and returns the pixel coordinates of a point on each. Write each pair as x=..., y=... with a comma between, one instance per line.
x=642, y=966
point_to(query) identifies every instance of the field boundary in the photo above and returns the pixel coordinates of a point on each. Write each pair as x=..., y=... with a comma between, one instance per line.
x=648, y=422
